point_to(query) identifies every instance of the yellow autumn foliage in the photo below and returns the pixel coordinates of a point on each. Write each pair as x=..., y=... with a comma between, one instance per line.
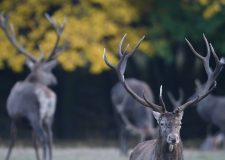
x=211, y=7
x=91, y=26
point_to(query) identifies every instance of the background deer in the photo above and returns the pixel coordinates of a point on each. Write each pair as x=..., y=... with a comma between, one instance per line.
x=176, y=102
x=31, y=104
x=133, y=118
x=212, y=111
x=168, y=145
x=213, y=142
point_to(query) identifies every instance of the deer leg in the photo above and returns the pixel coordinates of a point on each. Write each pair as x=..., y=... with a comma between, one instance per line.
x=209, y=129
x=35, y=144
x=223, y=140
x=50, y=142
x=49, y=139
x=123, y=141
x=42, y=137
x=13, y=131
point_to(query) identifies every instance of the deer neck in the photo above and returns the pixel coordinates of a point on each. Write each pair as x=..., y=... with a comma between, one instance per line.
x=32, y=79
x=164, y=152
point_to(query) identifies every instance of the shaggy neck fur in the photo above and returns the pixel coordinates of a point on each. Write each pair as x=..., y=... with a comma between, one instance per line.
x=162, y=151
x=32, y=78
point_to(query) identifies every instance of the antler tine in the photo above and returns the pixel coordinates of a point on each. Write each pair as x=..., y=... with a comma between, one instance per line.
x=121, y=46
x=161, y=100
x=154, y=106
x=214, y=54
x=205, y=60
x=137, y=45
x=9, y=32
x=120, y=70
x=219, y=65
x=193, y=50
x=181, y=96
x=207, y=46
x=107, y=62
x=207, y=57
x=59, y=30
x=175, y=102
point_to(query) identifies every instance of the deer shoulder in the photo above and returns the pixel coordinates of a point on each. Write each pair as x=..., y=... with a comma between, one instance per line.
x=144, y=149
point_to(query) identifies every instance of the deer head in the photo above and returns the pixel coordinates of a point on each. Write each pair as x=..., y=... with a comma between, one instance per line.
x=42, y=72
x=169, y=122
x=41, y=68
x=169, y=127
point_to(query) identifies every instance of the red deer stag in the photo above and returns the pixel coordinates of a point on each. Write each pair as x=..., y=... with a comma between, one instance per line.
x=31, y=104
x=168, y=145
x=133, y=119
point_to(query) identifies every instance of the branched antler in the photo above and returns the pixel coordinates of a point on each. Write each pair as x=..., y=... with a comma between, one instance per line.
x=208, y=88
x=10, y=34
x=59, y=30
x=211, y=74
x=120, y=69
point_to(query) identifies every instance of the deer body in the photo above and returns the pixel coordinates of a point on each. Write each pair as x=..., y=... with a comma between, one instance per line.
x=31, y=105
x=212, y=110
x=28, y=98
x=139, y=117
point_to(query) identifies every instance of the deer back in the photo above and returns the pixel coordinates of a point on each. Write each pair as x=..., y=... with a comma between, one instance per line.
x=28, y=100
x=212, y=110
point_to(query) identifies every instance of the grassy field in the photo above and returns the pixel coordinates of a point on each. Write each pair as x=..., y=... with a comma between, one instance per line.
x=87, y=153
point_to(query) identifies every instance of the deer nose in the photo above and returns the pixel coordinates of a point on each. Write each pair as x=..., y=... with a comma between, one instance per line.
x=172, y=138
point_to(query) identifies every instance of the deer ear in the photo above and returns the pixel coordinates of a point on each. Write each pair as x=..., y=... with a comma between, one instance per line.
x=30, y=64
x=50, y=65
x=157, y=115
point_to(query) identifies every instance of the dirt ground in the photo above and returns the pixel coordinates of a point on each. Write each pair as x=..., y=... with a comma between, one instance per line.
x=92, y=153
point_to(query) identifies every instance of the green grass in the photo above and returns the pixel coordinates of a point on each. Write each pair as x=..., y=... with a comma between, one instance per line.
x=98, y=153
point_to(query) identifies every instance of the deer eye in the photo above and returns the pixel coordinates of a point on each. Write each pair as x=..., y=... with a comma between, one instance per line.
x=161, y=124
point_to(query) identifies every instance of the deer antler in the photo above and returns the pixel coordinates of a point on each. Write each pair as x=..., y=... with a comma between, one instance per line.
x=176, y=102
x=58, y=30
x=120, y=69
x=10, y=34
x=211, y=74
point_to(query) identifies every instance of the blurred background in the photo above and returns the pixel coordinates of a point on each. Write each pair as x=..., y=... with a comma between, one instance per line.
x=84, y=109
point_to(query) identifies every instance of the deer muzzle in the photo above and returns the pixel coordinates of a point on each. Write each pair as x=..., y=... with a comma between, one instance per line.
x=172, y=138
